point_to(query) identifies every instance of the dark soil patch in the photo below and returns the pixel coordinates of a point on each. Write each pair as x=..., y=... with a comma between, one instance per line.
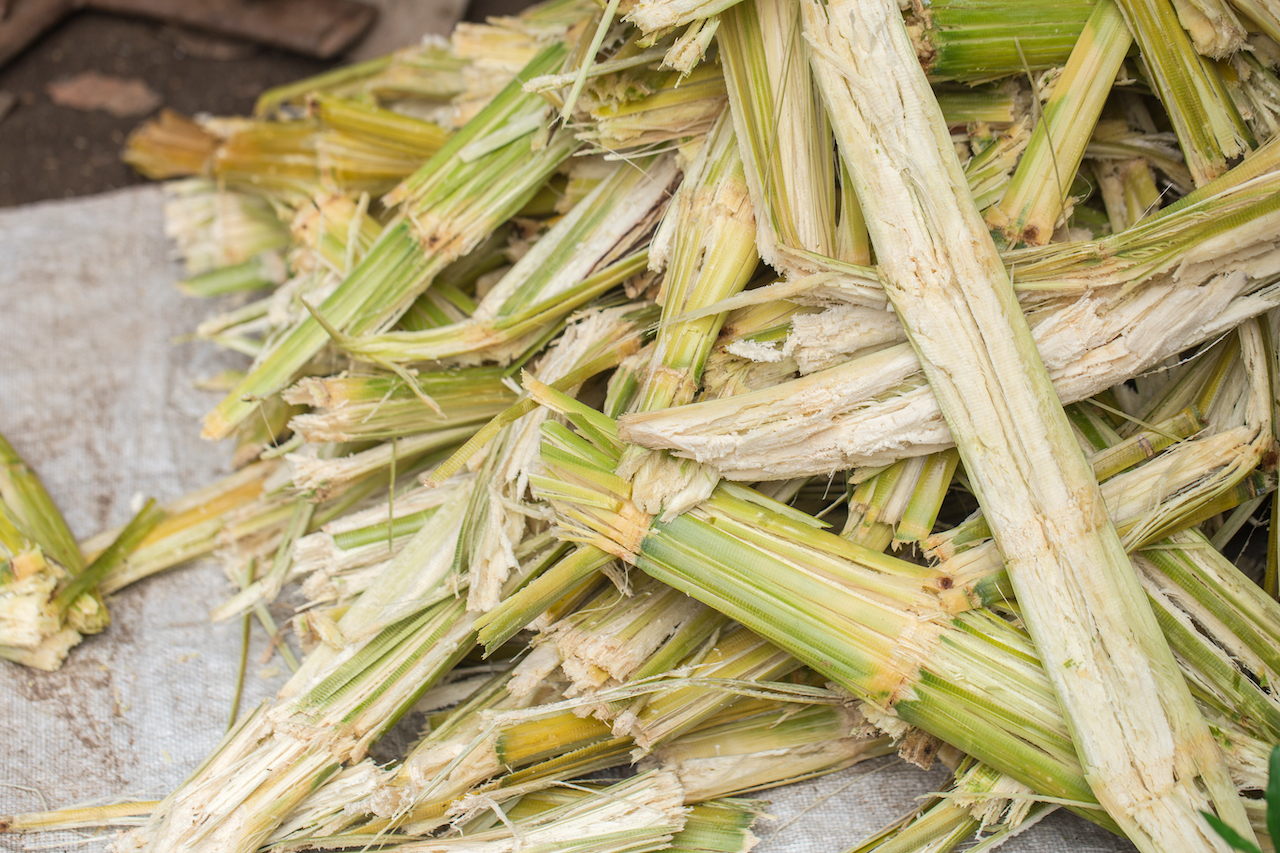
x=48, y=151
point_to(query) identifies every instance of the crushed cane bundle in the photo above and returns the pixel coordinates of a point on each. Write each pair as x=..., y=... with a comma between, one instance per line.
x=733, y=391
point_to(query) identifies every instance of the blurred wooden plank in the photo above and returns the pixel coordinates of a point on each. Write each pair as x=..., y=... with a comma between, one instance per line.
x=26, y=20
x=320, y=28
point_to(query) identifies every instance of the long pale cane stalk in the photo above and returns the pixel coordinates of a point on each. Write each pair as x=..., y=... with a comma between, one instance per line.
x=1147, y=753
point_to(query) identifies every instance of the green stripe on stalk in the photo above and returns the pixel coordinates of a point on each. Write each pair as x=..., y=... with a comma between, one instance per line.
x=722, y=826
x=1145, y=444
x=34, y=511
x=250, y=275
x=974, y=40
x=992, y=103
x=926, y=501
x=486, y=434
x=133, y=534
x=1211, y=132
x=1036, y=197
x=1202, y=573
x=404, y=525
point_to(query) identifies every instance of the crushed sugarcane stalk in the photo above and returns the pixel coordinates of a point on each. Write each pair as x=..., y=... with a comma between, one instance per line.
x=1077, y=593
x=723, y=393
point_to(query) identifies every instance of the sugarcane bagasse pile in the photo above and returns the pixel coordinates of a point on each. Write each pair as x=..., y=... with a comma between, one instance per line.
x=731, y=392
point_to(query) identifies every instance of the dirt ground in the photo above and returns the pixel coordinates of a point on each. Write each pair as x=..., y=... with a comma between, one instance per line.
x=51, y=151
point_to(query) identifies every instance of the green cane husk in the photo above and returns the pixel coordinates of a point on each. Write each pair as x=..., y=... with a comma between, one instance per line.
x=737, y=654
x=129, y=539
x=362, y=408
x=728, y=759
x=426, y=72
x=1209, y=129
x=1036, y=199
x=785, y=153
x=974, y=41
x=584, y=255
x=637, y=815
x=397, y=269
x=706, y=244
x=34, y=511
x=39, y=552
x=119, y=814
x=250, y=275
x=972, y=804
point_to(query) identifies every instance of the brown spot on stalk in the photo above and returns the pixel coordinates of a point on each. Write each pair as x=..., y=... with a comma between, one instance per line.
x=919, y=748
x=1269, y=457
x=919, y=21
